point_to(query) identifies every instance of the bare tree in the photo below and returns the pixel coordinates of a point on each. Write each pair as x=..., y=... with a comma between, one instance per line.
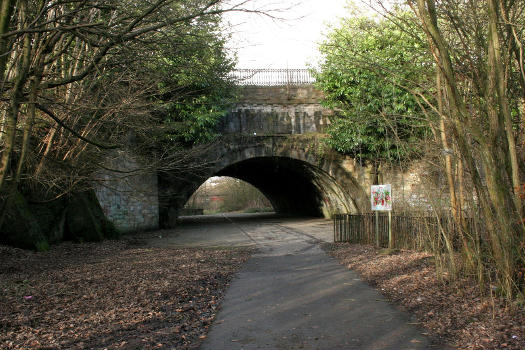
x=75, y=80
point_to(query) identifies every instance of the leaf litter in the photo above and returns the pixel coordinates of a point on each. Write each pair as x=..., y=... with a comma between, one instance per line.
x=122, y=295
x=112, y=295
x=455, y=314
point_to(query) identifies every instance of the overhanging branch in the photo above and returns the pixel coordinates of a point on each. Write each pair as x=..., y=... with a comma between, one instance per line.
x=76, y=134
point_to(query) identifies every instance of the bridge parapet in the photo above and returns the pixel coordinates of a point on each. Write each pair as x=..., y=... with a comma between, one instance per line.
x=269, y=110
x=280, y=94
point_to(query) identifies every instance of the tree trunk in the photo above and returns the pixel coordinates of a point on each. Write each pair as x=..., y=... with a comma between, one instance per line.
x=500, y=219
x=497, y=71
x=13, y=110
x=6, y=11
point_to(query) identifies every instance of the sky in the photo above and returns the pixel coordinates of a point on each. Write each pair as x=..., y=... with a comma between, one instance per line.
x=263, y=42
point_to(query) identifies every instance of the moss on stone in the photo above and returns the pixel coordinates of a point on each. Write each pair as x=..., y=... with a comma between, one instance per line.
x=21, y=229
x=51, y=218
x=35, y=225
x=81, y=223
x=109, y=229
x=85, y=220
x=42, y=246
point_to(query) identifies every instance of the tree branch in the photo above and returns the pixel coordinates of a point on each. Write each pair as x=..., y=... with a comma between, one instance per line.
x=76, y=134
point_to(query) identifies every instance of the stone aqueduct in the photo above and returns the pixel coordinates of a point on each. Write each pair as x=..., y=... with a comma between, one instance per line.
x=272, y=139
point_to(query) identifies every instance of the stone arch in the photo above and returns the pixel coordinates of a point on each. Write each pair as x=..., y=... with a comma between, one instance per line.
x=269, y=127
x=294, y=173
x=293, y=186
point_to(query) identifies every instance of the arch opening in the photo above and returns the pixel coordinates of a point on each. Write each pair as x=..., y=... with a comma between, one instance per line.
x=224, y=194
x=293, y=187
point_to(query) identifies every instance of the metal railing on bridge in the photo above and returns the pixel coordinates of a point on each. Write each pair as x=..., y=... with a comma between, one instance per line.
x=272, y=77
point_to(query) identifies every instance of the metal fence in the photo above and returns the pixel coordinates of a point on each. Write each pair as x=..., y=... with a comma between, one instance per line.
x=272, y=77
x=408, y=231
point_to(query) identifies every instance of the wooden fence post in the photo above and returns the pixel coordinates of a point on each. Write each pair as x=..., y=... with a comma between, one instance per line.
x=335, y=225
x=390, y=243
x=377, y=228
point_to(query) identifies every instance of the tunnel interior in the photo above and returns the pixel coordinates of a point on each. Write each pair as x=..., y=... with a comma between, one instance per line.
x=292, y=186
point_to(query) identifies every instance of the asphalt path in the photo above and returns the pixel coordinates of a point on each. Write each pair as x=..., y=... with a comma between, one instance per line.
x=291, y=294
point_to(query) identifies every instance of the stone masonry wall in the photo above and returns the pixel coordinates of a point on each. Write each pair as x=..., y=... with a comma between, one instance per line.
x=275, y=119
x=270, y=110
x=128, y=196
x=413, y=185
x=281, y=95
x=418, y=186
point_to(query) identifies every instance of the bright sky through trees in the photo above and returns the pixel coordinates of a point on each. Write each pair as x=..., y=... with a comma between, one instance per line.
x=288, y=42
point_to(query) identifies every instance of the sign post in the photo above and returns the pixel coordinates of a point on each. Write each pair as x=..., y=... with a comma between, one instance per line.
x=377, y=228
x=381, y=199
x=390, y=243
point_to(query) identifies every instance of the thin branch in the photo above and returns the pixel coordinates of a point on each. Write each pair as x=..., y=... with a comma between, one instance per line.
x=76, y=134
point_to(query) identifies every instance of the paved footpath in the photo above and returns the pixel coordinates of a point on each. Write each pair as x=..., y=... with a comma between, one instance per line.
x=292, y=295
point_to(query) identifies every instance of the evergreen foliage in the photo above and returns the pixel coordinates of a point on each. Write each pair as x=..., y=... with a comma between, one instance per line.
x=366, y=64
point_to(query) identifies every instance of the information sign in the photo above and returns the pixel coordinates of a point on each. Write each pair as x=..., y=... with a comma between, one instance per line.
x=381, y=197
